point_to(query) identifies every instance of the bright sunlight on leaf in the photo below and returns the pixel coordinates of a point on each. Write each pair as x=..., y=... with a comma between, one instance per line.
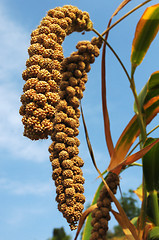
x=146, y=31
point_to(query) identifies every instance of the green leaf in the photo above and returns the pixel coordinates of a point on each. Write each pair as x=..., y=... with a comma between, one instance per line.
x=152, y=209
x=154, y=234
x=141, y=98
x=150, y=92
x=88, y=227
x=124, y=143
x=151, y=176
x=151, y=166
x=136, y=156
x=129, y=135
x=134, y=221
x=149, y=102
x=146, y=31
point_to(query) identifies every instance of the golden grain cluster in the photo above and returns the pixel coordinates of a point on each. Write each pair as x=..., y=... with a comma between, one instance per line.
x=43, y=72
x=50, y=102
x=64, y=150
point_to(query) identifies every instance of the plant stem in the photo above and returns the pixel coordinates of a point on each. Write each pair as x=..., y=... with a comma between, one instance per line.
x=143, y=137
x=154, y=206
x=127, y=14
x=153, y=195
x=135, y=164
x=142, y=218
x=139, y=114
x=153, y=130
x=141, y=141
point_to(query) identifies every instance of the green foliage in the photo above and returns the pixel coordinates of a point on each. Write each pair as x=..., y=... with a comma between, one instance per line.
x=128, y=203
x=151, y=166
x=154, y=234
x=150, y=170
x=59, y=234
x=149, y=92
x=117, y=232
x=146, y=31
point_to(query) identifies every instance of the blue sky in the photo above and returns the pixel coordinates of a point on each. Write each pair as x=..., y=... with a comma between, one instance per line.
x=28, y=209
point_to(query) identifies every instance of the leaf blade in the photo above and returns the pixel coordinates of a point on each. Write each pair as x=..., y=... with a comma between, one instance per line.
x=122, y=213
x=151, y=166
x=154, y=233
x=149, y=101
x=150, y=92
x=139, y=192
x=122, y=223
x=88, y=227
x=146, y=31
x=107, y=130
x=121, y=6
x=136, y=156
x=129, y=135
x=83, y=217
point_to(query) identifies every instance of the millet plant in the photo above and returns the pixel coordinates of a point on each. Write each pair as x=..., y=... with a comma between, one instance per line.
x=51, y=107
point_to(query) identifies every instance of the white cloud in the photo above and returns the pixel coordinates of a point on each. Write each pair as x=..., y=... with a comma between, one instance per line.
x=22, y=188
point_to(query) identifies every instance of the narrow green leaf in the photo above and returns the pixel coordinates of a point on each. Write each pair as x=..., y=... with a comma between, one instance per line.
x=152, y=209
x=146, y=31
x=153, y=90
x=150, y=92
x=141, y=98
x=149, y=101
x=88, y=227
x=154, y=234
x=136, y=156
x=124, y=143
x=134, y=221
x=151, y=176
x=154, y=81
x=129, y=135
x=151, y=166
x=148, y=167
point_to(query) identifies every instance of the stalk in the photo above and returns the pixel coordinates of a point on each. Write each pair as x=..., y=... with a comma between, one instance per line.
x=153, y=195
x=143, y=136
x=141, y=142
x=154, y=206
x=139, y=114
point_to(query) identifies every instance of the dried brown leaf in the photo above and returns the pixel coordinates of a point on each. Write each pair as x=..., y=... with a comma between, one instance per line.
x=83, y=217
x=123, y=215
x=120, y=7
x=136, y=156
x=123, y=224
